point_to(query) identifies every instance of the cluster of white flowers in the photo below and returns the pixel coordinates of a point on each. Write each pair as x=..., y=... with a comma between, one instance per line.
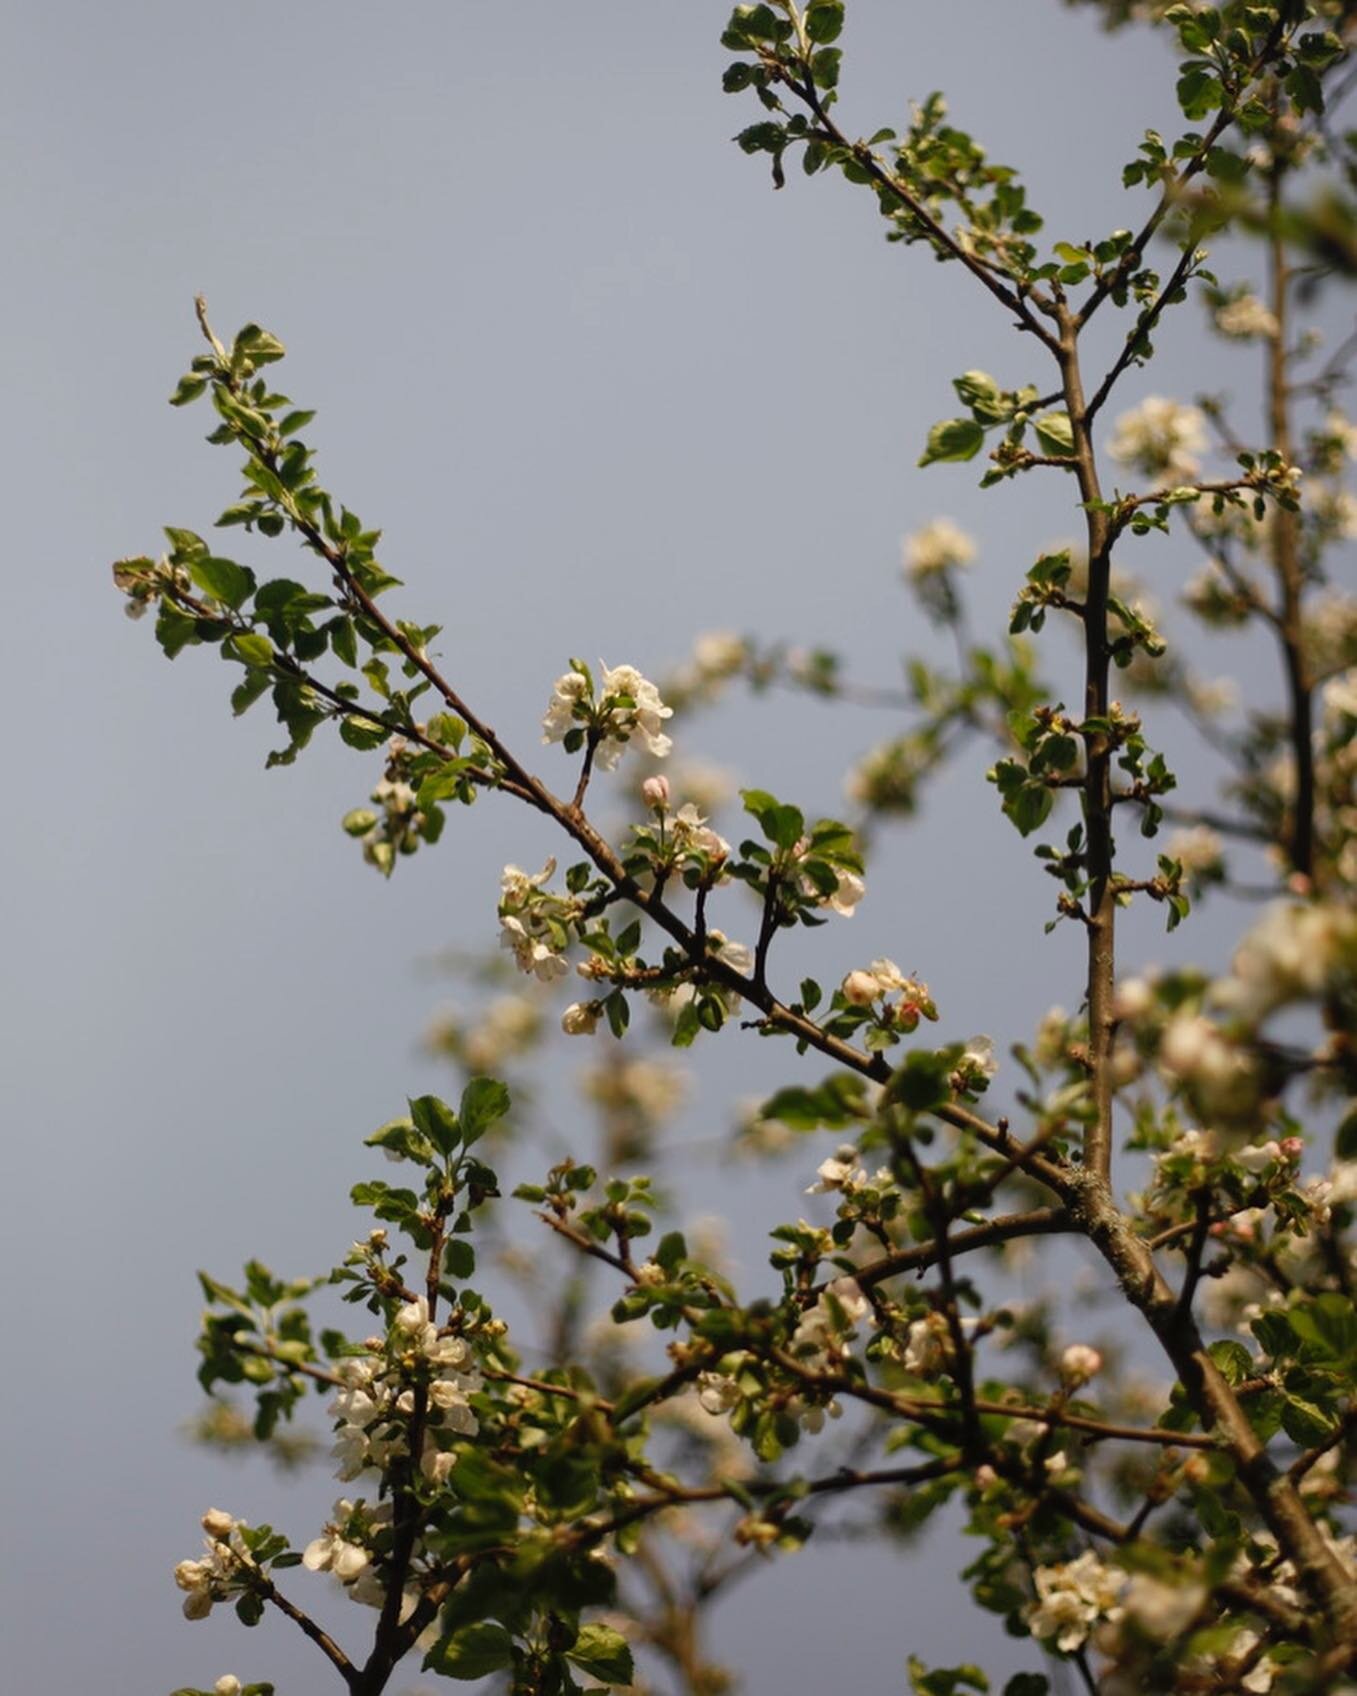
x=1246, y=318
x=343, y=1548
x=224, y=1565
x=651, y=1089
x=1198, y=850
x=628, y=705
x=1074, y=1597
x=508, y=1026
x=1330, y=630
x=1197, y=1051
x=1339, y=696
x=1161, y=438
x=1161, y=1608
x=977, y=1061
x=1212, y=697
x=1289, y=955
x=865, y=986
x=378, y=1397
x=939, y=546
x=534, y=923
x=841, y=1306
x=887, y=777
x=717, y=656
x=840, y=1172
x=690, y=833
x=928, y=1346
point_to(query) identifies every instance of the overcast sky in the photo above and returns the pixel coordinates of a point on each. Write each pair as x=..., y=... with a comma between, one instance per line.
x=603, y=389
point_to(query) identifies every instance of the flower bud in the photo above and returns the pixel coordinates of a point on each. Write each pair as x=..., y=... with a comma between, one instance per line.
x=218, y=1523
x=1132, y=999
x=227, y=1685
x=580, y=1018
x=655, y=791
x=860, y=989
x=1079, y=1363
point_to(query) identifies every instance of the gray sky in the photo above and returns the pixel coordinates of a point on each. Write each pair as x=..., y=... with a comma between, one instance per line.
x=604, y=390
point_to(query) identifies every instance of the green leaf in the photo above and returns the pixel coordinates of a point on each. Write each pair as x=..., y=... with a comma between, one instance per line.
x=952, y=441
x=1302, y=1421
x=944, y=1681
x=362, y=733
x=437, y=1121
x=188, y=389
x=603, y=1654
x=1233, y=1359
x=1199, y=91
x=1327, y=1326
x=484, y=1100
x=250, y=648
x=979, y=391
x=824, y=20
x=459, y=1258
x=223, y=579
x=174, y=630
x=922, y=1081
x=254, y=684
x=1054, y=432
x=1305, y=89
x=837, y=1102
x=472, y=1652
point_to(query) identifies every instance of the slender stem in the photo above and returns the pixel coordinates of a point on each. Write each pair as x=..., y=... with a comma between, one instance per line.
x=1039, y=1221
x=1100, y=907
x=893, y=186
x=321, y=1638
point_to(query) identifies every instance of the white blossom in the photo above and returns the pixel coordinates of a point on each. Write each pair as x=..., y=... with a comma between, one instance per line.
x=580, y=1018
x=644, y=719
x=926, y=1346
x=860, y=988
x=845, y=898
x=567, y=693
x=1196, y=850
x=572, y=706
x=841, y=1305
x=1072, y=1598
x=1245, y=317
x=978, y=1056
x=1161, y=437
x=532, y=920
x=839, y=1172
x=717, y=1393
x=1079, y=1363
x=1339, y=696
x=1287, y=956
x=719, y=653
x=333, y=1552
x=939, y=546
x=1162, y=1609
